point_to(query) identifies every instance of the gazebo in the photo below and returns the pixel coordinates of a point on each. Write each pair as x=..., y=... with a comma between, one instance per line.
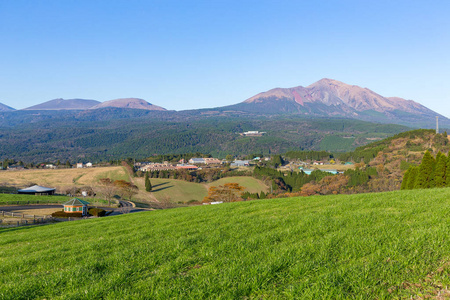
x=76, y=205
x=37, y=190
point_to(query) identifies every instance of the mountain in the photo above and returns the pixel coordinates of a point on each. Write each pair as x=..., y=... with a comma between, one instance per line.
x=4, y=108
x=62, y=104
x=332, y=98
x=129, y=103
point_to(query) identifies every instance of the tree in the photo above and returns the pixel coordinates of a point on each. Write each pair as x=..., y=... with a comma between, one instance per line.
x=411, y=183
x=405, y=179
x=107, y=189
x=226, y=193
x=127, y=189
x=440, y=171
x=425, y=176
x=148, y=184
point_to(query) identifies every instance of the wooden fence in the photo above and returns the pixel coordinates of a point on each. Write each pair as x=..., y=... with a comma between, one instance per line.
x=27, y=219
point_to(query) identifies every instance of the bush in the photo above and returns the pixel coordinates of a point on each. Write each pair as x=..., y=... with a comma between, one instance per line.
x=63, y=214
x=97, y=212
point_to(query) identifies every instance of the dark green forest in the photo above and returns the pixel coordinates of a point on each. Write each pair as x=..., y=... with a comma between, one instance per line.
x=107, y=134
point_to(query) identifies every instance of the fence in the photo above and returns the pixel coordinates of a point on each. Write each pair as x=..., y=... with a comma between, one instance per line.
x=27, y=219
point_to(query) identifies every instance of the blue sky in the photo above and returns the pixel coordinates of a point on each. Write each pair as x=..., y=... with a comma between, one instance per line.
x=196, y=54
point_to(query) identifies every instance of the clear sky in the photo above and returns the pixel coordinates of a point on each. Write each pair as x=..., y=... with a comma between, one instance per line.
x=197, y=54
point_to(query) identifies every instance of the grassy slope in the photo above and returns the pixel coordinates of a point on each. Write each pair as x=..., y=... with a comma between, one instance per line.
x=177, y=190
x=12, y=199
x=251, y=184
x=335, y=247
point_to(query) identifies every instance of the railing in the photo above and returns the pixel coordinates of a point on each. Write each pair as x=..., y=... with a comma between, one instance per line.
x=27, y=219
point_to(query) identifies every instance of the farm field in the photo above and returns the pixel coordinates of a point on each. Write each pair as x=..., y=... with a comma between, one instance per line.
x=61, y=178
x=366, y=246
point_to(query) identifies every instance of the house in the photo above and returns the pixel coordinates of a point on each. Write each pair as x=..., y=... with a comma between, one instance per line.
x=211, y=161
x=80, y=165
x=76, y=205
x=50, y=166
x=186, y=167
x=240, y=163
x=253, y=133
x=157, y=167
x=196, y=160
x=37, y=190
x=89, y=165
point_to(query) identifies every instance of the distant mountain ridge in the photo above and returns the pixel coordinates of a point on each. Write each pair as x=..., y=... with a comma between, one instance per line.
x=4, y=108
x=134, y=103
x=64, y=104
x=332, y=98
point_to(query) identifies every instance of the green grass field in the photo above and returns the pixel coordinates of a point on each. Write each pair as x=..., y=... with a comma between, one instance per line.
x=178, y=190
x=15, y=199
x=367, y=246
x=250, y=184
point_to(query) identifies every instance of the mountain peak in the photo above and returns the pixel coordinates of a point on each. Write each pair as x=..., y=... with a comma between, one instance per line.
x=135, y=103
x=64, y=104
x=4, y=108
x=332, y=98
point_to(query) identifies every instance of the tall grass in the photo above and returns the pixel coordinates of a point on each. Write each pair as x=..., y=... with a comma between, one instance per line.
x=335, y=247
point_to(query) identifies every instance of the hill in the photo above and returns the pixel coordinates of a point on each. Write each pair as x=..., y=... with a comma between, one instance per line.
x=331, y=98
x=64, y=104
x=117, y=133
x=371, y=246
x=134, y=103
x=4, y=108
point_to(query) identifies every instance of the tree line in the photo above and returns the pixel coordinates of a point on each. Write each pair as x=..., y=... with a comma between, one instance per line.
x=432, y=172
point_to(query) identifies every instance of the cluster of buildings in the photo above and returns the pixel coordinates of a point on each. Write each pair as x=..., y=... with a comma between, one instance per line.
x=192, y=164
x=252, y=133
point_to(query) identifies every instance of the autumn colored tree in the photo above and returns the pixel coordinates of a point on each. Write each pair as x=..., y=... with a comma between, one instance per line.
x=148, y=184
x=127, y=189
x=229, y=192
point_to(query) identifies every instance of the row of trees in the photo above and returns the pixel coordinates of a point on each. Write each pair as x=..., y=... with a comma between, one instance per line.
x=432, y=172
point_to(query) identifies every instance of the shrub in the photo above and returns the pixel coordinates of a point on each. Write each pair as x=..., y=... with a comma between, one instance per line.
x=63, y=214
x=97, y=212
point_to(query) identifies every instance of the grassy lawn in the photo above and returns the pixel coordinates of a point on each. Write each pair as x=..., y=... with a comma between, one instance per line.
x=368, y=246
x=251, y=184
x=15, y=199
x=178, y=190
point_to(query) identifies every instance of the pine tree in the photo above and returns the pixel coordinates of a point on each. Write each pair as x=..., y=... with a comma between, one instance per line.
x=440, y=170
x=405, y=179
x=148, y=184
x=447, y=172
x=410, y=184
x=425, y=175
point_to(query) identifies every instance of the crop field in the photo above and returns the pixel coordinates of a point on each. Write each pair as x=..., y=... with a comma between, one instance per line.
x=366, y=246
x=61, y=178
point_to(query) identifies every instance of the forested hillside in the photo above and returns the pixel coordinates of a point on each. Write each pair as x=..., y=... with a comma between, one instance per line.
x=381, y=165
x=119, y=133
